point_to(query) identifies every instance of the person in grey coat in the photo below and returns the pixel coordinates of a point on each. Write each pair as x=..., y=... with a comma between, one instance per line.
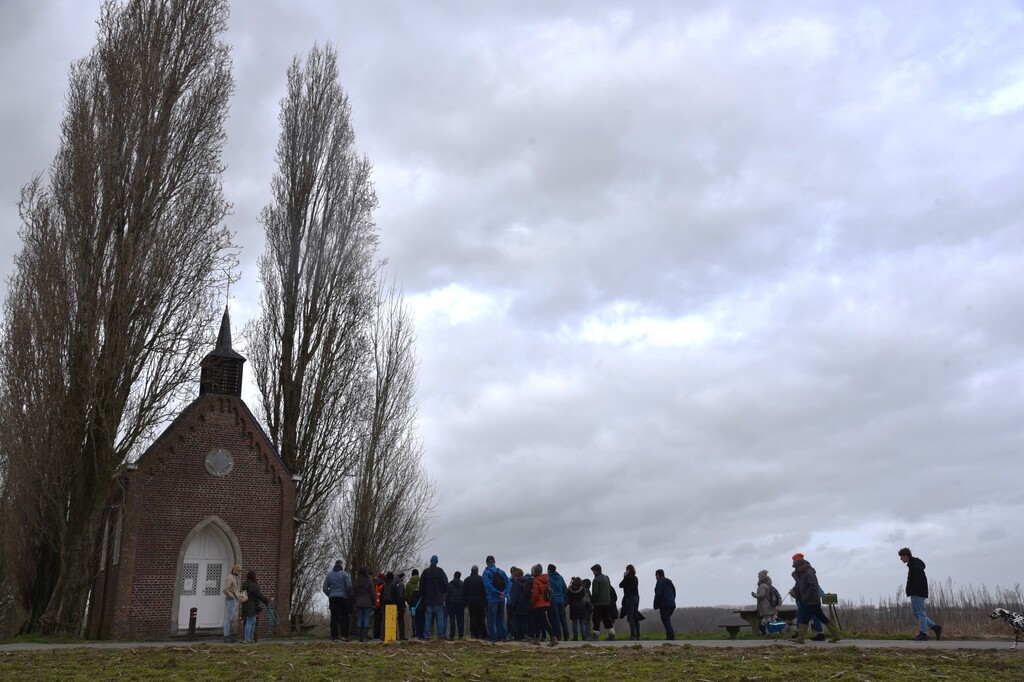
x=764, y=604
x=338, y=587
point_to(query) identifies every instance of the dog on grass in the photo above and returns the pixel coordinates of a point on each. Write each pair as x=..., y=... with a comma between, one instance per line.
x=1014, y=619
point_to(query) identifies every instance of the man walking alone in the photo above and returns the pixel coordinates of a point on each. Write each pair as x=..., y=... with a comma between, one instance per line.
x=917, y=590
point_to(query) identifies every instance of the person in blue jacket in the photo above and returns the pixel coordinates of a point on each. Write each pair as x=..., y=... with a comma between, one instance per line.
x=556, y=614
x=497, y=585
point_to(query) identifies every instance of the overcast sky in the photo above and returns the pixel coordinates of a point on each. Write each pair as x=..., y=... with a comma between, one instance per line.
x=697, y=285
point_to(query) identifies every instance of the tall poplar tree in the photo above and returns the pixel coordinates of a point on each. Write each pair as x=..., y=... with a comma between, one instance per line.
x=114, y=291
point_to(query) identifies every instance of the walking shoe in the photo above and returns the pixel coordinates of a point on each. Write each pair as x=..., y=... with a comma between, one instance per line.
x=820, y=637
x=611, y=638
x=938, y=631
x=921, y=637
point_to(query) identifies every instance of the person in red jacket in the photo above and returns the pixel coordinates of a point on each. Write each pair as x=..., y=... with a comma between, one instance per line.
x=541, y=599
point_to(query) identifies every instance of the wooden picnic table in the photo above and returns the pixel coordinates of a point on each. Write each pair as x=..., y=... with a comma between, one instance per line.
x=787, y=612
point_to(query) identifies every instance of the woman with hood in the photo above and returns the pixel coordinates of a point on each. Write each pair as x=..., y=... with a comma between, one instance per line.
x=576, y=598
x=763, y=597
x=541, y=600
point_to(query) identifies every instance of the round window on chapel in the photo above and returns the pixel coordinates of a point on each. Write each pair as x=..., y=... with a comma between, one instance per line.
x=219, y=462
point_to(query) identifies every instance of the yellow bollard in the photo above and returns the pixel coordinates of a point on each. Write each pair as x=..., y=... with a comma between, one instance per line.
x=390, y=623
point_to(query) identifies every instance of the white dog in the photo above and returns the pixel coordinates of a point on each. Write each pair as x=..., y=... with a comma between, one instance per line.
x=1016, y=621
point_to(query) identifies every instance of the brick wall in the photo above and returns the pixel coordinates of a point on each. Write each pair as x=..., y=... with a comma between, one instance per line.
x=171, y=492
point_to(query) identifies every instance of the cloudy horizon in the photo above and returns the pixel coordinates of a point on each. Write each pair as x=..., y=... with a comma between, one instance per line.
x=696, y=286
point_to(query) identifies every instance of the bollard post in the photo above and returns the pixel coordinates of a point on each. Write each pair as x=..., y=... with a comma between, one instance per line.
x=390, y=623
x=192, y=623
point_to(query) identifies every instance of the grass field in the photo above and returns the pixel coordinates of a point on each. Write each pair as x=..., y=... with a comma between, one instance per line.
x=480, y=662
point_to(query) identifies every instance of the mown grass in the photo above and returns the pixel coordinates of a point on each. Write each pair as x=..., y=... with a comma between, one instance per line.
x=480, y=662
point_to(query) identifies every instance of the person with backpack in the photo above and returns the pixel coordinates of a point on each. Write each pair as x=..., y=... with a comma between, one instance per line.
x=541, y=600
x=455, y=607
x=631, y=600
x=496, y=584
x=768, y=599
x=398, y=599
x=665, y=601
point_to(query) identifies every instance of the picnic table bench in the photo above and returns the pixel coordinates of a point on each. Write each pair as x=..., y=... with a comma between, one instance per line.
x=787, y=612
x=733, y=629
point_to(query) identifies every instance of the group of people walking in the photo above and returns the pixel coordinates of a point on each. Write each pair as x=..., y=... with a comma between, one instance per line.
x=528, y=606
x=807, y=594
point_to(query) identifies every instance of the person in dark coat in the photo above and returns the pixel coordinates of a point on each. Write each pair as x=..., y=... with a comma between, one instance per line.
x=665, y=601
x=630, y=587
x=576, y=598
x=398, y=594
x=474, y=594
x=589, y=604
x=810, y=594
x=365, y=597
x=252, y=606
x=414, y=598
x=917, y=590
x=522, y=604
x=433, y=585
x=816, y=624
x=455, y=607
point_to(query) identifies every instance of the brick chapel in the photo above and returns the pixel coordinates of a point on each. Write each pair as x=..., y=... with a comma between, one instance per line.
x=210, y=492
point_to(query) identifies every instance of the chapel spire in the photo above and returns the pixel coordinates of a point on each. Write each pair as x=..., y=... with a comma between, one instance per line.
x=221, y=369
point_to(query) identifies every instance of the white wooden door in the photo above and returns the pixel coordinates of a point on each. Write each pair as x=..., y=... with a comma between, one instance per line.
x=204, y=569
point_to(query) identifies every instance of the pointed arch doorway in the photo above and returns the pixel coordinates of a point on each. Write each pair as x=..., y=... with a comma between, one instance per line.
x=206, y=559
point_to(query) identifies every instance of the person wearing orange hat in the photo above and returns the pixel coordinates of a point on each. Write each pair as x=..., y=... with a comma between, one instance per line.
x=816, y=624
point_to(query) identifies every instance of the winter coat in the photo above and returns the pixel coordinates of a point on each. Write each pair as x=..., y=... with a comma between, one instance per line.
x=917, y=582
x=230, y=587
x=399, y=594
x=664, y=594
x=412, y=586
x=252, y=606
x=540, y=586
x=473, y=590
x=558, y=587
x=807, y=589
x=387, y=593
x=764, y=605
x=577, y=601
x=630, y=587
x=364, y=592
x=495, y=595
x=522, y=591
x=454, y=596
x=433, y=585
x=601, y=590
x=338, y=584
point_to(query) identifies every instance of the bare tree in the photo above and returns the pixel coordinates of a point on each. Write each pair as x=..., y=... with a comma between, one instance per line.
x=383, y=515
x=307, y=347
x=113, y=291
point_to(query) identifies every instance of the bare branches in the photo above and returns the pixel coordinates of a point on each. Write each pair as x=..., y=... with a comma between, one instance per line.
x=383, y=517
x=307, y=348
x=114, y=289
